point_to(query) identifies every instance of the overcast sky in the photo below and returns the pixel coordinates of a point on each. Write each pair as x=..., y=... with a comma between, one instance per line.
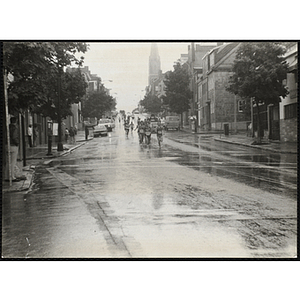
x=127, y=65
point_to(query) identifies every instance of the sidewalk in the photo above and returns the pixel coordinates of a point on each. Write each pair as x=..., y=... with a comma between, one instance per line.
x=37, y=155
x=244, y=140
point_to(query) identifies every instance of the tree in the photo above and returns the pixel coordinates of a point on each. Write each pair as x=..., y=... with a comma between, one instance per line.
x=97, y=104
x=39, y=79
x=178, y=93
x=73, y=88
x=27, y=64
x=258, y=72
x=151, y=103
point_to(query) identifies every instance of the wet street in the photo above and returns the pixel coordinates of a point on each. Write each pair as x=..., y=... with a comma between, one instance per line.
x=193, y=197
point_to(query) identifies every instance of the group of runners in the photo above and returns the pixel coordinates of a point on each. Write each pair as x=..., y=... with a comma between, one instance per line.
x=145, y=130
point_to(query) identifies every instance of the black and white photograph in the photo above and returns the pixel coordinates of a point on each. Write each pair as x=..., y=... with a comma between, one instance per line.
x=149, y=149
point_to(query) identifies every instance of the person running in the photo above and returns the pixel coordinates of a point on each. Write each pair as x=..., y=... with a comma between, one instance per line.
x=148, y=133
x=131, y=126
x=159, y=130
x=141, y=131
x=127, y=127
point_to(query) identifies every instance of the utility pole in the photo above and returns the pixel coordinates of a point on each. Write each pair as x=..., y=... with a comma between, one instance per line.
x=7, y=127
x=23, y=139
x=59, y=142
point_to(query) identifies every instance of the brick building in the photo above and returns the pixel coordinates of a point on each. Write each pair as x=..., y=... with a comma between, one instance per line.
x=289, y=105
x=216, y=106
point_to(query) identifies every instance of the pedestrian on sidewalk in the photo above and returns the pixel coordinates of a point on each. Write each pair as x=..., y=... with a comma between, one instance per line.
x=14, y=148
x=66, y=135
x=72, y=135
x=29, y=134
x=35, y=134
x=86, y=133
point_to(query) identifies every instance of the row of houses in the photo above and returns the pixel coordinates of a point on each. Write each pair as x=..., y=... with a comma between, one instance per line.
x=212, y=106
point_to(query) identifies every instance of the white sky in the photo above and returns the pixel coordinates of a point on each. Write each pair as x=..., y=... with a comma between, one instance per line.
x=127, y=65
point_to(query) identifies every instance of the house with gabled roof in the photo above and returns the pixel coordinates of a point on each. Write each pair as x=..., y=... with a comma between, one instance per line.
x=216, y=106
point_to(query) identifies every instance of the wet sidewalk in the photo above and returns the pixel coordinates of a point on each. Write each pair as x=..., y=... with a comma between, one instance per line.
x=247, y=141
x=38, y=155
x=41, y=151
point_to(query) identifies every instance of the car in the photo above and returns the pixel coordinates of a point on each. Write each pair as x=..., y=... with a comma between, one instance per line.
x=100, y=130
x=172, y=122
x=107, y=123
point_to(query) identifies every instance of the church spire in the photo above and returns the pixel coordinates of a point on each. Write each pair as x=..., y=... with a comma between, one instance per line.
x=154, y=51
x=154, y=63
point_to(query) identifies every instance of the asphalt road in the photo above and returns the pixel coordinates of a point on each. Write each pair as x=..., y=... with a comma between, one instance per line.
x=114, y=198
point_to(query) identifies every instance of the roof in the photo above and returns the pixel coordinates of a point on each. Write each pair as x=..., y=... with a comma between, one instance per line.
x=223, y=50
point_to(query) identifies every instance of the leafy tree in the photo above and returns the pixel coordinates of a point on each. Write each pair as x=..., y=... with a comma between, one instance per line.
x=73, y=88
x=27, y=64
x=258, y=72
x=97, y=104
x=151, y=103
x=177, y=90
x=38, y=68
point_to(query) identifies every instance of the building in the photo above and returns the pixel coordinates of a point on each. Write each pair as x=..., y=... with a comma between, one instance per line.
x=216, y=106
x=154, y=65
x=155, y=77
x=193, y=61
x=289, y=105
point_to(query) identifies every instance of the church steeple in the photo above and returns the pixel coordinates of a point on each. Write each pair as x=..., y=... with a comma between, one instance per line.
x=154, y=63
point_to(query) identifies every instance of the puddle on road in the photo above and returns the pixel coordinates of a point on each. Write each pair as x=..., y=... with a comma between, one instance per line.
x=255, y=170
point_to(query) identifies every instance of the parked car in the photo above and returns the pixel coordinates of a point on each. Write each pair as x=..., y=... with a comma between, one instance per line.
x=107, y=123
x=100, y=130
x=172, y=122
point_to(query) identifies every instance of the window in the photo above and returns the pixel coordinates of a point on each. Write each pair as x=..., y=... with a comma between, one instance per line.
x=91, y=86
x=290, y=111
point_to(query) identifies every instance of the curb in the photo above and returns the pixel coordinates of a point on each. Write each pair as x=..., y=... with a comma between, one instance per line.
x=25, y=186
x=64, y=153
x=239, y=144
x=255, y=146
x=30, y=173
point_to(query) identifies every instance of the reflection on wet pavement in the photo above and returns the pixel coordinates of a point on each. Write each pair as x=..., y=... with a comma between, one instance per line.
x=116, y=198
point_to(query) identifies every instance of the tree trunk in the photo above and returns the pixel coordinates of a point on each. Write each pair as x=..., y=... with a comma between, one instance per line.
x=181, y=119
x=258, y=140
